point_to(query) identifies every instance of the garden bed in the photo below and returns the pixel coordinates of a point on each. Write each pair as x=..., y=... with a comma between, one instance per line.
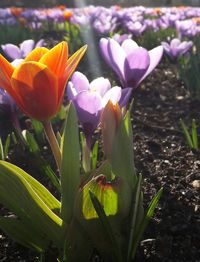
x=163, y=158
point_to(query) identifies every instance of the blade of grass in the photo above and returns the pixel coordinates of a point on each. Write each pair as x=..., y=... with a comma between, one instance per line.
x=107, y=227
x=186, y=134
x=194, y=135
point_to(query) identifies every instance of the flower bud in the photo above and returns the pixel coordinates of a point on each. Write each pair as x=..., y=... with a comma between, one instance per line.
x=110, y=120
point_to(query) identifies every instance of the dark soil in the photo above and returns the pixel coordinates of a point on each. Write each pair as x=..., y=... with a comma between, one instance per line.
x=162, y=156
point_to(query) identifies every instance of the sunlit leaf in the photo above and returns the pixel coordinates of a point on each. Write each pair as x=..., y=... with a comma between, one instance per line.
x=17, y=194
x=122, y=153
x=70, y=166
x=26, y=235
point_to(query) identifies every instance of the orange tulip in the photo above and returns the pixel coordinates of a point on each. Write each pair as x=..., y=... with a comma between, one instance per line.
x=37, y=85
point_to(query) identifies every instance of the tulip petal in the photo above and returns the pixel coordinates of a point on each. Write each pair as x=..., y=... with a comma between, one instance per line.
x=72, y=63
x=37, y=87
x=6, y=71
x=36, y=54
x=56, y=59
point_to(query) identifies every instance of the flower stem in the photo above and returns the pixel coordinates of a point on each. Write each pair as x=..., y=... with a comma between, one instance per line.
x=53, y=143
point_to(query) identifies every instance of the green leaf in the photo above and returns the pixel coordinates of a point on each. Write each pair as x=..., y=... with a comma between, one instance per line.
x=25, y=235
x=105, y=193
x=106, y=226
x=122, y=153
x=47, y=170
x=95, y=155
x=7, y=145
x=194, y=135
x=27, y=204
x=31, y=142
x=2, y=157
x=134, y=222
x=42, y=191
x=186, y=134
x=144, y=222
x=86, y=155
x=70, y=166
x=38, y=128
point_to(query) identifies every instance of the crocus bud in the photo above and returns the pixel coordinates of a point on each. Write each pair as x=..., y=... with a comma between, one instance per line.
x=110, y=120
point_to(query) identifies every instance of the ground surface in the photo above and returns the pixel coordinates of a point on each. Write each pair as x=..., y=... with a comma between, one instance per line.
x=164, y=159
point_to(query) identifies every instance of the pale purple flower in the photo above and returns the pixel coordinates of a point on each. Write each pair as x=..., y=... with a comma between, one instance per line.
x=104, y=20
x=136, y=28
x=6, y=101
x=186, y=28
x=130, y=62
x=90, y=99
x=176, y=48
x=15, y=52
x=121, y=38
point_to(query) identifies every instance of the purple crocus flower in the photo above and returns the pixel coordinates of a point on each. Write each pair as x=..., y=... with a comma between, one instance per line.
x=90, y=99
x=130, y=62
x=6, y=102
x=176, y=48
x=120, y=38
x=15, y=52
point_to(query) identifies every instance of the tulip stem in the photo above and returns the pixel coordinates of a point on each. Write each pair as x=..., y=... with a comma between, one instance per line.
x=53, y=143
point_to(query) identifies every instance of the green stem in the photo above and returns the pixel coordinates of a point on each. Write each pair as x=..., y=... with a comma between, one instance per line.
x=53, y=142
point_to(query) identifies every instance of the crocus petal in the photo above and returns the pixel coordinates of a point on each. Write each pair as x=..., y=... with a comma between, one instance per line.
x=17, y=62
x=113, y=95
x=40, y=43
x=56, y=59
x=155, y=57
x=26, y=47
x=71, y=91
x=103, y=44
x=184, y=47
x=12, y=51
x=88, y=105
x=166, y=46
x=175, y=43
x=80, y=82
x=129, y=46
x=36, y=54
x=117, y=59
x=37, y=87
x=72, y=63
x=125, y=96
x=101, y=85
x=136, y=66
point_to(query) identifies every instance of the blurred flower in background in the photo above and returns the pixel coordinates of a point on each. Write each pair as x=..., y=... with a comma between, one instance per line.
x=176, y=48
x=14, y=52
